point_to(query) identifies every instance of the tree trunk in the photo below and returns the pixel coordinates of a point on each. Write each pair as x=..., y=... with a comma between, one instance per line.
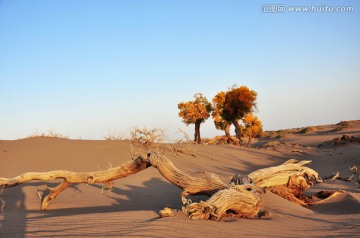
x=237, y=129
x=227, y=129
x=249, y=141
x=197, y=131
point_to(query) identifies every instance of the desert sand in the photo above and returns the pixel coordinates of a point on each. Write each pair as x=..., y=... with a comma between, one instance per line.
x=131, y=208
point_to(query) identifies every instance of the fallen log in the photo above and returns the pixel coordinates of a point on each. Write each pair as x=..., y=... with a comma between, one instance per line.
x=242, y=196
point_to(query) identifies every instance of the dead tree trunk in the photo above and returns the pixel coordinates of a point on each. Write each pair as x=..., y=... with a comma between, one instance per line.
x=288, y=180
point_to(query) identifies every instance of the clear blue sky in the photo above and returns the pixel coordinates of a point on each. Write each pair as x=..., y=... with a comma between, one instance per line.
x=85, y=68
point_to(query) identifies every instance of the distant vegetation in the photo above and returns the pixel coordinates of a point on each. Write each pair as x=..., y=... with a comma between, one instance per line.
x=227, y=108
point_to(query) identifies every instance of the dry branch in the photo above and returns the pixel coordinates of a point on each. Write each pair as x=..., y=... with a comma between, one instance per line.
x=104, y=176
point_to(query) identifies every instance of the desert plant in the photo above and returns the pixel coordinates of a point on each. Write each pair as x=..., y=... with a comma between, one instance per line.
x=185, y=139
x=195, y=112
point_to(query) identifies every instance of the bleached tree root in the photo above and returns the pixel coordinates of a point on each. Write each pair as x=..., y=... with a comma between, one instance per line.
x=241, y=200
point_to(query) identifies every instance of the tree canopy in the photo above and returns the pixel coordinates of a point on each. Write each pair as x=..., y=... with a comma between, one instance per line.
x=195, y=112
x=238, y=102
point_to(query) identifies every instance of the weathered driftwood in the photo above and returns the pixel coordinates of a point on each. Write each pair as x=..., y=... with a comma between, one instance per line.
x=240, y=200
x=288, y=180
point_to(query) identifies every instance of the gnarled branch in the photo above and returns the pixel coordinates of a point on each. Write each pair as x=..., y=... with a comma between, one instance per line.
x=104, y=176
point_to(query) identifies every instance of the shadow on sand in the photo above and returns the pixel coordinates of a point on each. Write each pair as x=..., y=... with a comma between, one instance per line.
x=17, y=221
x=13, y=218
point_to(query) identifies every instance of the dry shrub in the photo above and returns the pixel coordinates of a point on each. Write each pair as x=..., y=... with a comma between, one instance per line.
x=115, y=136
x=48, y=134
x=224, y=140
x=186, y=138
x=149, y=138
x=143, y=140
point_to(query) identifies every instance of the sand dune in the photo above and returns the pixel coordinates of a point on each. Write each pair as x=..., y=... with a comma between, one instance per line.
x=131, y=208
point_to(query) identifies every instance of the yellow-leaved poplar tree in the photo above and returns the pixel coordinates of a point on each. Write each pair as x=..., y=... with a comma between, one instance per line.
x=195, y=112
x=253, y=127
